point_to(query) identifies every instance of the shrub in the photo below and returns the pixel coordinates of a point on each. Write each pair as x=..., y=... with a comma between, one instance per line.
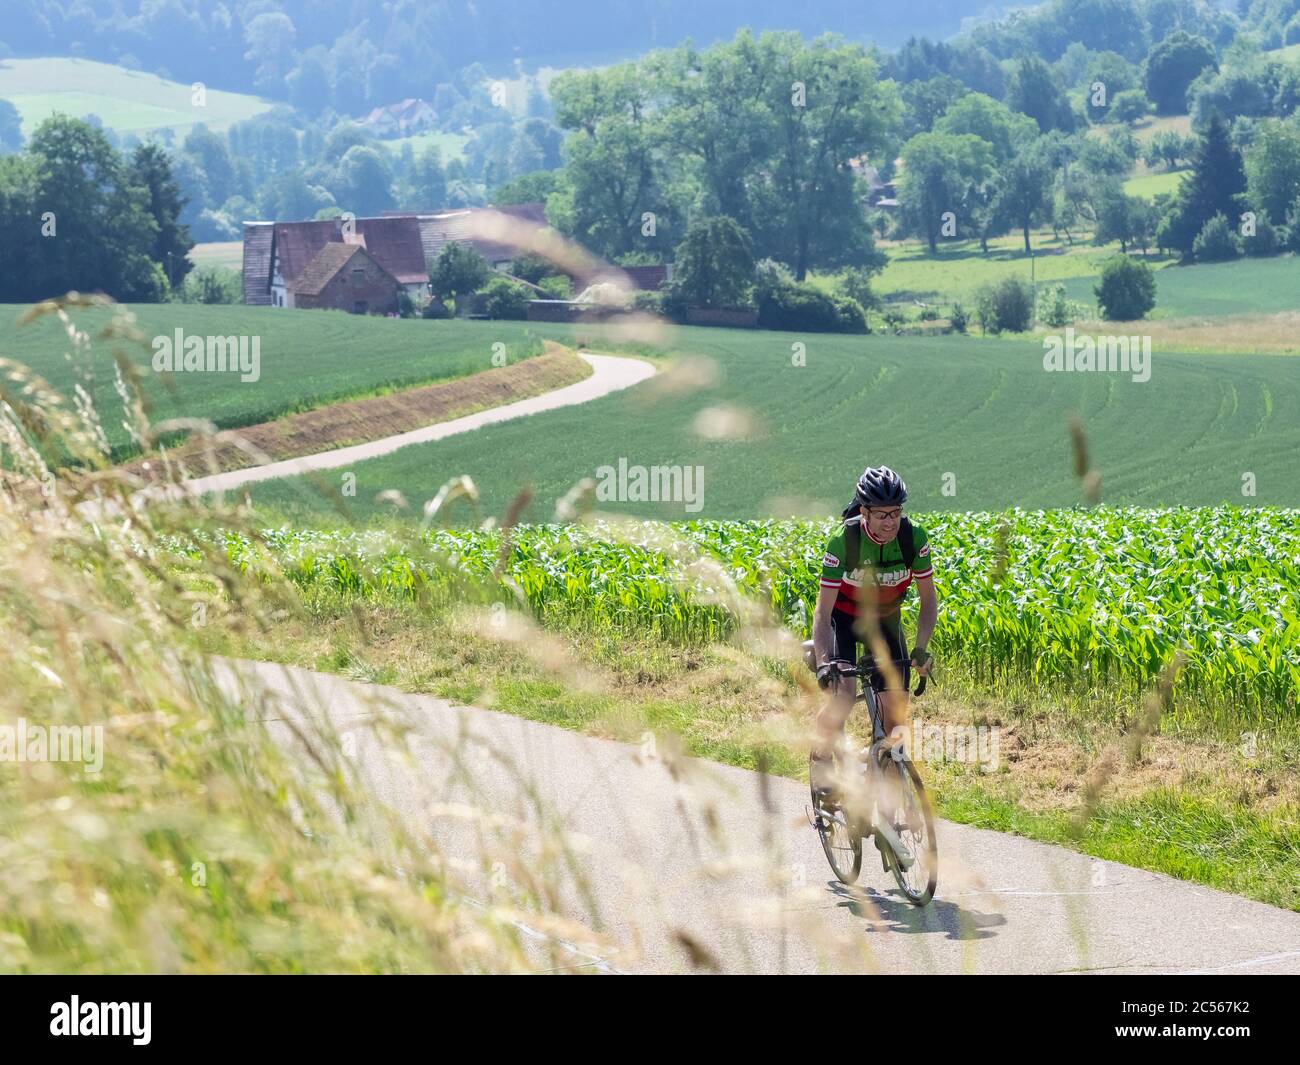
x=1129, y=106
x=1127, y=289
x=649, y=302
x=802, y=307
x=1005, y=307
x=1266, y=240
x=958, y=318
x=503, y=298
x=1054, y=309
x=434, y=309
x=1216, y=241
x=405, y=305
x=674, y=302
x=212, y=284
x=556, y=286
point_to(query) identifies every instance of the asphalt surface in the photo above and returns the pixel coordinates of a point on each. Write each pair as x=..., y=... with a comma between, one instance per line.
x=677, y=865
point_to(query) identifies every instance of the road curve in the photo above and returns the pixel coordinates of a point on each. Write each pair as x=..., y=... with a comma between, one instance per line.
x=685, y=864
x=610, y=373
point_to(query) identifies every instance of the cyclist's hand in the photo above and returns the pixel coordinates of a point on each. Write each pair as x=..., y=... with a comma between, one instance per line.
x=922, y=661
x=828, y=674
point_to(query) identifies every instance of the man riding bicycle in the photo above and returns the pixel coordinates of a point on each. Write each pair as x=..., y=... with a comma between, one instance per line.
x=874, y=534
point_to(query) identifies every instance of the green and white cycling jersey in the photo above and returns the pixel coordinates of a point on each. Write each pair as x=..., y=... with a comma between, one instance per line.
x=893, y=575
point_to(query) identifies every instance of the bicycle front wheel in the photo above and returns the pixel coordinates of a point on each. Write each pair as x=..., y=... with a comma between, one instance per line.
x=840, y=837
x=914, y=825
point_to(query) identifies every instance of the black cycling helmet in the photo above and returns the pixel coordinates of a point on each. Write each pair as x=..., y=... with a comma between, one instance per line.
x=879, y=486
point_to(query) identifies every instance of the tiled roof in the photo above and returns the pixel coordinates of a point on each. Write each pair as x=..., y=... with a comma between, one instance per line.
x=326, y=265
x=466, y=226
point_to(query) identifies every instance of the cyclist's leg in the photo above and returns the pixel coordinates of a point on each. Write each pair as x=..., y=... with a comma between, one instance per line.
x=893, y=706
x=894, y=702
x=829, y=728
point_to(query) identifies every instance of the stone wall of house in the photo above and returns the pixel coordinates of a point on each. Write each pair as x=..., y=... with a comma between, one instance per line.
x=345, y=291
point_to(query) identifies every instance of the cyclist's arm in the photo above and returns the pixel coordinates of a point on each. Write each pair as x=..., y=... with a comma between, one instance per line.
x=929, y=612
x=823, y=631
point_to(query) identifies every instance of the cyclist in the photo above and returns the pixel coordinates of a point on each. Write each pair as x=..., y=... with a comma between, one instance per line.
x=874, y=534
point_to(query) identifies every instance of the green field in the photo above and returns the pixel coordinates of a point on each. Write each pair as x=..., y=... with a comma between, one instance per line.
x=960, y=267
x=450, y=145
x=228, y=254
x=984, y=411
x=307, y=358
x=1150, y=185
x=1240, y=287
x=128, y=101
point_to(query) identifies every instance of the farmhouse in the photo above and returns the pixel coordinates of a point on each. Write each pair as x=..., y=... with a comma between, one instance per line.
x=295, y=264
x=401, y=119
x=314, y=264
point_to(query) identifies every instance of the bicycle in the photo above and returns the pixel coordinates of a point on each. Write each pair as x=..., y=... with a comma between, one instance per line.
x=907, y=843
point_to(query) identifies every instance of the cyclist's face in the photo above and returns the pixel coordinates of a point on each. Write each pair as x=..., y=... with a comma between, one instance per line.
x=883, y=521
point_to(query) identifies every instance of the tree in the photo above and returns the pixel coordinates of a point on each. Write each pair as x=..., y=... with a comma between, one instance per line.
x=826, y=108
x=1215, y=186
x=150, y=169
x=1126, y=290
x=11, y=128
x=1006, y=130
x=941, y=172
x=1127, y=219
x=527, y=188
x=1034, y=92
x=104, y=231
x=426, y=182
x=924, y=101
x=1024, y=195
x=1129, y=106
x=1172, y=66
x=459, y=269
x=614, y=164
x=364, y=184
x=1273, y=168
x=212, y=158
x=715, y=263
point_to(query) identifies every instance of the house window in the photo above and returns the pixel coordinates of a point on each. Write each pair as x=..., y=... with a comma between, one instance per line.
x=360, y=307
x=358, y=276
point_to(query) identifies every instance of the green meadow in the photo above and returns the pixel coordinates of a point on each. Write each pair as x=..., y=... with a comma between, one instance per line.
x=306, y=359
x=128, y=101
x=972, y=425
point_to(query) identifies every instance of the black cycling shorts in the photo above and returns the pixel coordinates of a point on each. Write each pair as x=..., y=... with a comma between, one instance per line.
x=847, y=644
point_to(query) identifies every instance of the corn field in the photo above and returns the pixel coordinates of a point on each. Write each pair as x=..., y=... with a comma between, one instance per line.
x=1088, y=599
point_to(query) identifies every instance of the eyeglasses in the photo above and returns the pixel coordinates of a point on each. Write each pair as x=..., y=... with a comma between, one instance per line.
x=886, y=515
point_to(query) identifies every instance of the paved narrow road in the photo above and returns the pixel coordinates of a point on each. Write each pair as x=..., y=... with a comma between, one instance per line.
x=684, y=864
x=610, y=373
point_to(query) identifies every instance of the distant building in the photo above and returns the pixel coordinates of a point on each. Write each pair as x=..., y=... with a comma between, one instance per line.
x=345, y=277
x=281, y=256
x=401, y=119
x=296, y=264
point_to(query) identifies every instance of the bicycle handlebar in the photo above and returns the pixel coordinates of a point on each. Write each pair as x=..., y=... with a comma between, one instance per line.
x=859, y=671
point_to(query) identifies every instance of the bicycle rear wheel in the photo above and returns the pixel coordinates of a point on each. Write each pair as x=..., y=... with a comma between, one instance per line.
x=840, y=837
x=914, y=824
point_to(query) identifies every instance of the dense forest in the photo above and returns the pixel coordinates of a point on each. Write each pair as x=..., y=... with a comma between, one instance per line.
x=353, y=54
